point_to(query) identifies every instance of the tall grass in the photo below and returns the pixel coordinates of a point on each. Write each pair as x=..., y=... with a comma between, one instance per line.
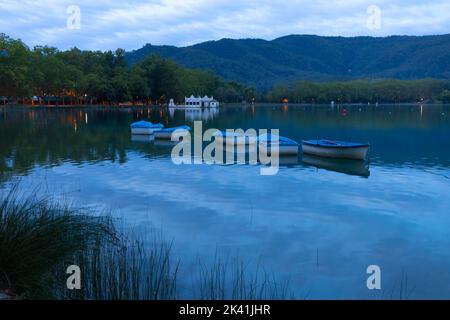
x=36, y=235
x=129, y=269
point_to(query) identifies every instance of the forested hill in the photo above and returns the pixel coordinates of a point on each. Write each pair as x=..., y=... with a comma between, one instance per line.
x=262, y=63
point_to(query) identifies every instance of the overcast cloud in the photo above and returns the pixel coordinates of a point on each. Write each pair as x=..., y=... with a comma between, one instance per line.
x=107, y=24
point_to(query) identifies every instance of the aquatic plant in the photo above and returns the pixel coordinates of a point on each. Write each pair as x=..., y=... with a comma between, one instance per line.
x=237, y=279
x=128, y=269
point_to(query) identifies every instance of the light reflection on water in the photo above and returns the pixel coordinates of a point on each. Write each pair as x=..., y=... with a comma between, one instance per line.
x=320, y=224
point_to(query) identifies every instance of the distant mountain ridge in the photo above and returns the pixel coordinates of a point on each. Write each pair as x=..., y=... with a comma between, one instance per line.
x=262, y=63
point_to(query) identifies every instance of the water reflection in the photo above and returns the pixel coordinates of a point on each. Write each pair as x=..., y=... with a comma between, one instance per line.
x=193, y=114
x=398, y=218
x=142, y=138
x=164, y=143
x=205, y=114
x=351, y=167
x=399, y=135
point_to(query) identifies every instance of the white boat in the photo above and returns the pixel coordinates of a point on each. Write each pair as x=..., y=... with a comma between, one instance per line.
x=145, y=127
x=285, y=145
x=336, y=149
x=226, y=137
x=166, y=133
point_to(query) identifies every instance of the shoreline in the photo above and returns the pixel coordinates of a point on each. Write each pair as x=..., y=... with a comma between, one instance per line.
x=280, y=104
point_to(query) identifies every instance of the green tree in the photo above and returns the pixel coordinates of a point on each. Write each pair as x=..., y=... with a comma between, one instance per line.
x=15, y=68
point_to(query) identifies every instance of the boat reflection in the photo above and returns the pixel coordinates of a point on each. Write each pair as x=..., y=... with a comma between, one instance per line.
x=222, y=154
x=347, y=166
x=250, y=155
x=142, y=137
x=164, y=143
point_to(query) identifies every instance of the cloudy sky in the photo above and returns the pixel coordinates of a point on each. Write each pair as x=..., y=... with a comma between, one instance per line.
x=108, y=24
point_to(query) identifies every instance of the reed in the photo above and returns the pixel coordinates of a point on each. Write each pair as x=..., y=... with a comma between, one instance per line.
x=36, y=235
x=236, y=279
x=128, y=269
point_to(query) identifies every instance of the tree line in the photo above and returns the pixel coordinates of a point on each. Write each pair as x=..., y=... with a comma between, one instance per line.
x=79, y=76
x=365, y=91
x=94, y=77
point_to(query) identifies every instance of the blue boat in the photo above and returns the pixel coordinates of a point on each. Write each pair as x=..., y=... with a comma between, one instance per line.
x=145, y=127
x=234, y=138
x=336, y=149
x=285, y=145
x=166, y=133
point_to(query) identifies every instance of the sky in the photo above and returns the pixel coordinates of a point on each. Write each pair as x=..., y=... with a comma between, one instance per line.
x=108, y=24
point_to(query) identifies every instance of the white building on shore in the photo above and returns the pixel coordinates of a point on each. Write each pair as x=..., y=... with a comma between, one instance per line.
x=198, y=102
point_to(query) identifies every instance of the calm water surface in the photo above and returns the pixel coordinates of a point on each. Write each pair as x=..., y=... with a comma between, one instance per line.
x=318, y=223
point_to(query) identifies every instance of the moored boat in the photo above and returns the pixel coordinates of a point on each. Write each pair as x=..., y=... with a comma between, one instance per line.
x=234, y=138
x=166, y=133
x=285, y=145
x=145, y=127
x=336, y=149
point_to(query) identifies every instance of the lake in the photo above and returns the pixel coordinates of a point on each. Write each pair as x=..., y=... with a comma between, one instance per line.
x=318, y=223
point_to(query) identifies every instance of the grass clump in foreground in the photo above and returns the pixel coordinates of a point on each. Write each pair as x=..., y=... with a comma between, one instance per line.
x=40, y=238
x=128, y=269
x=38, y=235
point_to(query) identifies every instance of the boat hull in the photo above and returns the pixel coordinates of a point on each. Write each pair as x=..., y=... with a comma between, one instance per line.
x=167, y=135
x=244, y=140
x=163, y=135
x=282, y=150
x=359, y=153
x=135, y=131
